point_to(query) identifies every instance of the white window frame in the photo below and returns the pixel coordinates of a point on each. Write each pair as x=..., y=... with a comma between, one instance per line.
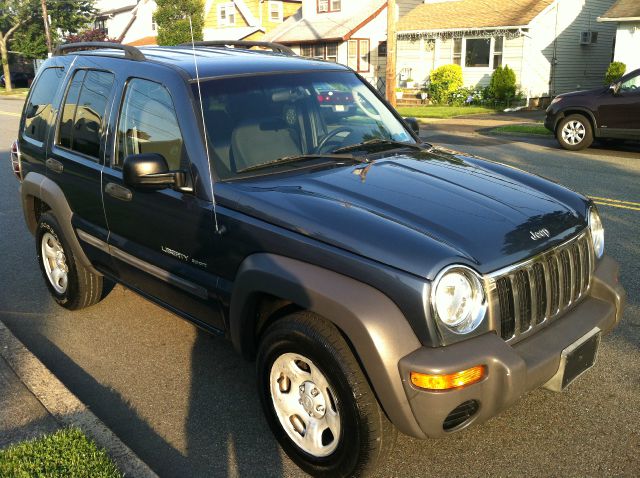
x=229, y=10
x=463, y=52
x=276, y=6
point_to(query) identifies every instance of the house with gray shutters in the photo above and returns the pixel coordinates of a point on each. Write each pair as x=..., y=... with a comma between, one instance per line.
x=554, y=46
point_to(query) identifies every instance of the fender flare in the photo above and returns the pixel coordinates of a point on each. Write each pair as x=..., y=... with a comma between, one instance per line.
x=376, y=328
x=36, y=185
x=577, y=109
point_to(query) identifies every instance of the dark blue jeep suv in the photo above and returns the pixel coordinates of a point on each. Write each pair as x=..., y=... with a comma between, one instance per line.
x=380, y=283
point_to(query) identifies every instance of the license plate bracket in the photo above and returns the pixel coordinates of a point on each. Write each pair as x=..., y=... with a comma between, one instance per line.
x=576, y=359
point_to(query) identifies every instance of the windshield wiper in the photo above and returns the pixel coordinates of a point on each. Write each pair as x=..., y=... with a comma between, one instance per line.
x=301, y=157
x=374, y=143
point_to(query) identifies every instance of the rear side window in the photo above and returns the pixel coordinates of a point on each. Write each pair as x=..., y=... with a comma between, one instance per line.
x=83, y=112
x=148, y=124
x=38, y=110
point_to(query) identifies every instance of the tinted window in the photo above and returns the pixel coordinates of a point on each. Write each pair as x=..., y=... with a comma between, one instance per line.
x=631, y=84
x=38, y=108
x=84, y=110
x=148, y=124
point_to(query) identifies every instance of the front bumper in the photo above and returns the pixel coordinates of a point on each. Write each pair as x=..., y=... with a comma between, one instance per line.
x=511, y=370
x=551, y=120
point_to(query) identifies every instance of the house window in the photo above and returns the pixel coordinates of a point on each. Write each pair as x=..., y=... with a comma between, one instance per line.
x=227, y=14
x=457, y=51
x=498, y=44
x=320, y=51
x=382, y=48
x=154, y=26
x=326, y=6
x=100, y=24
x=359, y=55
x=477, y=52
x=276, y=11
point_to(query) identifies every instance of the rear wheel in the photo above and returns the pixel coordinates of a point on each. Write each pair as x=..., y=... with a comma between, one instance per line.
x=72, y=285
x=317, y=400
x=574, y=132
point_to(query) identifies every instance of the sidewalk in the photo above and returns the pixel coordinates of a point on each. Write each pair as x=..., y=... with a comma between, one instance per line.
x=474, y=123
x=34, y=402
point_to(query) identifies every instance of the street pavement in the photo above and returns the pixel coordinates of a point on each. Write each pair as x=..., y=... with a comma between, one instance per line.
x=186, y=403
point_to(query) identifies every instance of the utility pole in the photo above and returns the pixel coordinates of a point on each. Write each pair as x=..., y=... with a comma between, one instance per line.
x=391, y=52
x=45, y=17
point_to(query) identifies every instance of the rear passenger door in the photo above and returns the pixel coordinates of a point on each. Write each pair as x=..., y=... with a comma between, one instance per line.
x=77, y=150
x=160, y=241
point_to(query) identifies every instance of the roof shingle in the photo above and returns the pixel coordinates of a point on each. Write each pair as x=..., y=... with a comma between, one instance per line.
x=463, y=14
x=622, y=9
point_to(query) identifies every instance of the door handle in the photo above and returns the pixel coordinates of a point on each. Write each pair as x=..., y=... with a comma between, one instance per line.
x=54, y=165
x=118, y=192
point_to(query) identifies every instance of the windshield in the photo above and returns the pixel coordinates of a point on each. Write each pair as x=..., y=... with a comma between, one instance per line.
x=252, y=121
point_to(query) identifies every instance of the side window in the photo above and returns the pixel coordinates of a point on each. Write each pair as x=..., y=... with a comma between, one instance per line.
x=631, y=85
x=83, y=112
x=148, y=124
x=38, y=108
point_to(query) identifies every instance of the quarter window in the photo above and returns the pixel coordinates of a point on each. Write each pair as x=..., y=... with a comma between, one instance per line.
x=38, y=110
x=84, y=111
x=148, y=124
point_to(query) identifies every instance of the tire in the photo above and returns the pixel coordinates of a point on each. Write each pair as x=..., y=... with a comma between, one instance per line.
x=72, y=285
x=359, y=436
x=574, y=132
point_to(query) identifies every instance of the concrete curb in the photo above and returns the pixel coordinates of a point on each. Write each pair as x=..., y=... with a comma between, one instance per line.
x=65, y=407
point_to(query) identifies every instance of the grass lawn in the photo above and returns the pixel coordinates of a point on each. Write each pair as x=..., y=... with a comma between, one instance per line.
x=67, y=453
x=15, y=92
x=437, y=111
x=533, y=128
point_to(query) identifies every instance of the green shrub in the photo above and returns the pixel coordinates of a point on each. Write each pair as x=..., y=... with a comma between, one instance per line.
x=445, y=81
x=614, y=72
x=503, y=84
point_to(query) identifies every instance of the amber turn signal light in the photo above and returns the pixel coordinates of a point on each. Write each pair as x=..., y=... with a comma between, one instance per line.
x=449, y=381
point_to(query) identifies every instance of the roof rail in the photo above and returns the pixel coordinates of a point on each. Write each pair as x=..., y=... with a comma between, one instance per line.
x=130, y=52
x=245, y=44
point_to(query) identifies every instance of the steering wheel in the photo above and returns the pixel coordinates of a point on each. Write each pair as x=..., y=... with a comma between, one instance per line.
x=359, y=100
x=332, y=134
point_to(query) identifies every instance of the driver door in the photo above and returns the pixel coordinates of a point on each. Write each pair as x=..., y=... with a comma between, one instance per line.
x=161, y=241
x=620, y=112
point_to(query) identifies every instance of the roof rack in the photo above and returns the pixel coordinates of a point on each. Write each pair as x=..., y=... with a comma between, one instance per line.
x=130, y=52
x=245, y=44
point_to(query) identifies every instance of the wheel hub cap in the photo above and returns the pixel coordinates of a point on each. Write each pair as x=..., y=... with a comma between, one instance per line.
x=305, y=404
x=55, y=262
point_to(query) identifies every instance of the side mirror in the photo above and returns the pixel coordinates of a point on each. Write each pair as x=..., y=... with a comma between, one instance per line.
x=413, y=124
x=614, y=88
x=150, y=172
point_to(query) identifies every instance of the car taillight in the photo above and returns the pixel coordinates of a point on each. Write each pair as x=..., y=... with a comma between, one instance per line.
x=16, y=163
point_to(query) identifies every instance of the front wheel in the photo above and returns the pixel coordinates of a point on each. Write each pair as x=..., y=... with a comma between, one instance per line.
x=574, y=133
x=317, y=400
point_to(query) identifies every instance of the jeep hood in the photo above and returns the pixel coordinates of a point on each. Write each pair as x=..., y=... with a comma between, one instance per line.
x=418, y=211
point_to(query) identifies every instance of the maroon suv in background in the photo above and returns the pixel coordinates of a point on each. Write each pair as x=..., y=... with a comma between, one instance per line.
x=609, y=112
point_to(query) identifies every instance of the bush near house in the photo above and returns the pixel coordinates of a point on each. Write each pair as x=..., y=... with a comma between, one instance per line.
x=172, y=18
x=445, y=81
x=503, y=84
x=614, y=72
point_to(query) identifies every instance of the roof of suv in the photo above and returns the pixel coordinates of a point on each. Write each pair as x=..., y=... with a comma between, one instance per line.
x=220, y=61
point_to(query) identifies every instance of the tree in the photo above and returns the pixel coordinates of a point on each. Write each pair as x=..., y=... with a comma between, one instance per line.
x=14, y=14
x=444, y=81
x=503, y=83
x=21, y=24
x=615, y=72
x=172, y=18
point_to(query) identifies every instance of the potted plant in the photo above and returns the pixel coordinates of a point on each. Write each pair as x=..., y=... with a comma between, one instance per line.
x=399, y=93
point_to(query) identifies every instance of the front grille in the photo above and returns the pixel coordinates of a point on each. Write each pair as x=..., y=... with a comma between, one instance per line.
x=529, y=294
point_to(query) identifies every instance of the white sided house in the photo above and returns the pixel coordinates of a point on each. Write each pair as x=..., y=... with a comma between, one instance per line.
x=554, y=46
x=344, y=31
x=626, y=15
x=130, y=21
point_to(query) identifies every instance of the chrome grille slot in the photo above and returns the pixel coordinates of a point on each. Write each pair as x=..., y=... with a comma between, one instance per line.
x=530, y=294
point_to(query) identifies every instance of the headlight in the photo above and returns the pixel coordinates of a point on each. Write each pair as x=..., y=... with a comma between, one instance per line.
x=557, y=99
x=597, y=232
x=458, y=299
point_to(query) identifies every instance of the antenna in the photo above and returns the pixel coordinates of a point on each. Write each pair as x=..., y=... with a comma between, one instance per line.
x=204, y=128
